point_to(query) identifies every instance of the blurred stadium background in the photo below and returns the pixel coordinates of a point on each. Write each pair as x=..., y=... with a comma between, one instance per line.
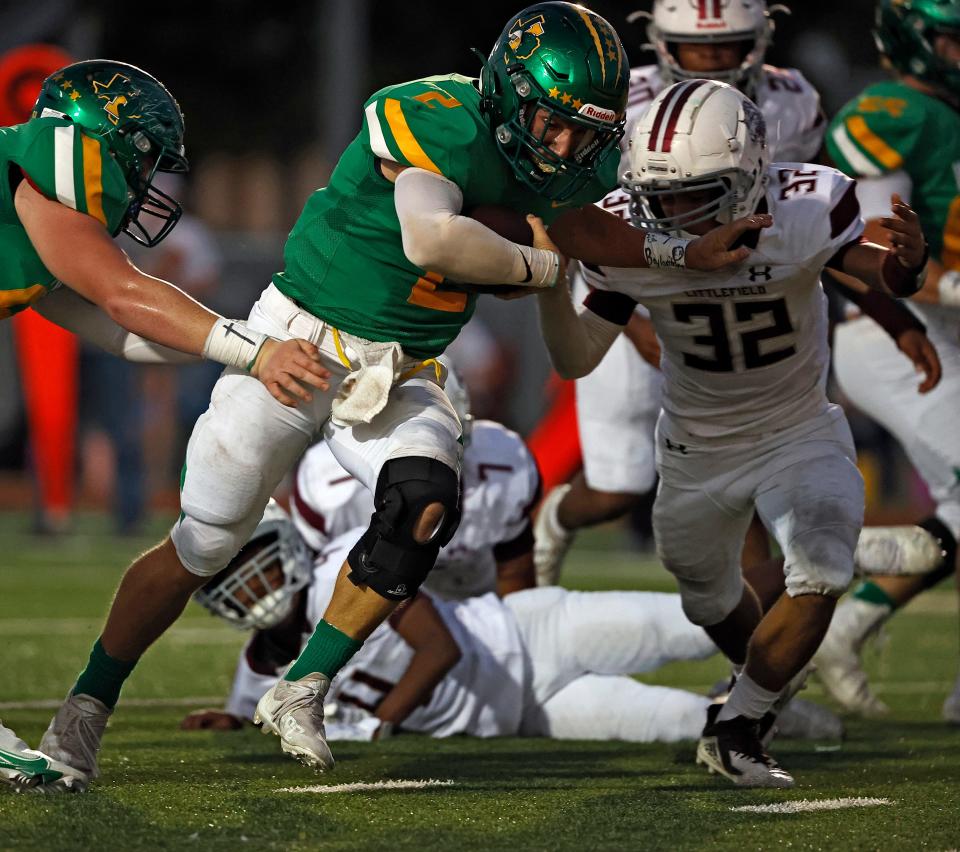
x=271, y=95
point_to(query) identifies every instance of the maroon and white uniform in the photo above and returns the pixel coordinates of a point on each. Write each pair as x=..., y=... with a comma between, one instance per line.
x=541, y=662
x=746, y=421
x=500, y=484
x=616, y=426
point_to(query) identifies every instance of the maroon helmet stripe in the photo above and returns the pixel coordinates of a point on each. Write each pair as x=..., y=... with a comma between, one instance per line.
x=675, y=115
x=663, y=111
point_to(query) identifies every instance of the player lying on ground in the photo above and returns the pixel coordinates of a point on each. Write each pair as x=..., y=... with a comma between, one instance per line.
x=76, y=174
x=903, y=135
x=746, y=425
x=364, y=268
x=540, y=662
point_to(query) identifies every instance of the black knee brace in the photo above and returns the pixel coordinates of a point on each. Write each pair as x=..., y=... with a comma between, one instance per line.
x=948, y=543
x=387, y=558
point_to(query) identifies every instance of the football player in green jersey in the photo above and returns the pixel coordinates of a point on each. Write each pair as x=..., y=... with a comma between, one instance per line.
x=76, y=174
x=903, y=136
x=371, y=274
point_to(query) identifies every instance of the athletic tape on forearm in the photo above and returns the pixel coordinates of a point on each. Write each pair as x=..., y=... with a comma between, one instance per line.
x=664, y=251
x=949, y=289
x=231, y=343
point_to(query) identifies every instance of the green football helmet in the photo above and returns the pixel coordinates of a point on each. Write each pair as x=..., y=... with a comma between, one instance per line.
x=140, y=123
x=556, y=61
x=905, y=32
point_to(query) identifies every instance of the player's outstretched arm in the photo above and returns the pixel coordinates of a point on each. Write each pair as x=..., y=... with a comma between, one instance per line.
x=79, y=252
x=595, y=236
x=899, y=270
x=576, y=339
x=71, y=311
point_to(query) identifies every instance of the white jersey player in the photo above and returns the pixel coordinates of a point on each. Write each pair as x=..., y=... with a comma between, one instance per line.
x=491, y=549
x=746, y=424
x=540, y=662
x=723, y=41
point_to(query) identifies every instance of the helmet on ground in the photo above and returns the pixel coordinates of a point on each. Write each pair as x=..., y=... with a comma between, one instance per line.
x=906, y=31
x=701, y=139
x=140, y=123
x=256, y=590
x=556, y=62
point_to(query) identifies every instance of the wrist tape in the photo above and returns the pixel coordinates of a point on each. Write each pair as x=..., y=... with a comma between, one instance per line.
x=231, y=343
x=663, y=251
x=542, y=266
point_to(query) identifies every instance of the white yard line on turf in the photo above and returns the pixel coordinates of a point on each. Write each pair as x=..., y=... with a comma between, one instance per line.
x=802, y=806
x=358, y=786
x=54, y=703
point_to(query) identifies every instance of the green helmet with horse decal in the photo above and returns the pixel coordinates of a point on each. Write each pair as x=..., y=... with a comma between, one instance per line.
x=565, y=62
x=140, y=123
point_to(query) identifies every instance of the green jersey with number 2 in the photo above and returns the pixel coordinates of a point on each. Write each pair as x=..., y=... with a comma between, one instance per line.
x=344, y=258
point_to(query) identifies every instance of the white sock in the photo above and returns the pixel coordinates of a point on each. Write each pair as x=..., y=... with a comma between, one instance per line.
x=748, y=699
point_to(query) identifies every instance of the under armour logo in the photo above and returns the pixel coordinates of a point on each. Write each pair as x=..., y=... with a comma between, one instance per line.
x=677, y=448
x=761, y=273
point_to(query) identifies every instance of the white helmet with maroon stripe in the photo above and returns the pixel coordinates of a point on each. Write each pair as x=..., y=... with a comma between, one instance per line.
x=684, y=21
x=702, y=139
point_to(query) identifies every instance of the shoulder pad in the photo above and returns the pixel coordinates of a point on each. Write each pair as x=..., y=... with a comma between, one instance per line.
x=875, y=133
x=67, y=164
x=426, y=123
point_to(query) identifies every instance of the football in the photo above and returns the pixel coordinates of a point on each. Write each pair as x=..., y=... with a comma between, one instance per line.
x=510, y=225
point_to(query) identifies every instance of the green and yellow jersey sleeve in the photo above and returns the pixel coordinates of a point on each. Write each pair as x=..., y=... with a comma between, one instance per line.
x=76, y=169
x=876, y=132
x=424, y=124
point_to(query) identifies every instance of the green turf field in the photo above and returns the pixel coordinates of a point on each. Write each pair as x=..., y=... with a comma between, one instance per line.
x=164, y=789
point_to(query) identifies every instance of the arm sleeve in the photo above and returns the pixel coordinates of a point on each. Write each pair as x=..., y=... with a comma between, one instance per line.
x=437, y=238
x=71, y=311
x=576, y=339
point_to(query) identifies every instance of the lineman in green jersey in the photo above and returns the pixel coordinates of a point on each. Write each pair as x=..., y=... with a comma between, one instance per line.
x=903, y=136
x=370, y=276
x=76, y=174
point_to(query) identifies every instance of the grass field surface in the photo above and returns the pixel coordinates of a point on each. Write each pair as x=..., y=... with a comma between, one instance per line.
x=890, y=785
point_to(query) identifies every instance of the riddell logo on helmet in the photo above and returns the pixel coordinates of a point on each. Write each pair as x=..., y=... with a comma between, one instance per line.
x=599, y=113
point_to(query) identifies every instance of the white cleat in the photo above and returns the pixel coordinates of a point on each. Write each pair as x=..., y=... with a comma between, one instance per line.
x=551, y=540
x=25, y=769
x=74, y=734
x=837, y=661
x=293, y=710
x=897, y=551
x=733, y=749
x=951, y=707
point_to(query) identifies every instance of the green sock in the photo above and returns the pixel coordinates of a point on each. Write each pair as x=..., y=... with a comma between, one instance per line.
x=103, y=677
x=327, y=652
x=870, y=592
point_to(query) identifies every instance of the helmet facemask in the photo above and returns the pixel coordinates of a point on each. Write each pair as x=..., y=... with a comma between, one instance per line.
x=726, y=190
x=524, y=142
x=149, y=200
x=744, y=22
x=258, y=588
x=906, y=35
